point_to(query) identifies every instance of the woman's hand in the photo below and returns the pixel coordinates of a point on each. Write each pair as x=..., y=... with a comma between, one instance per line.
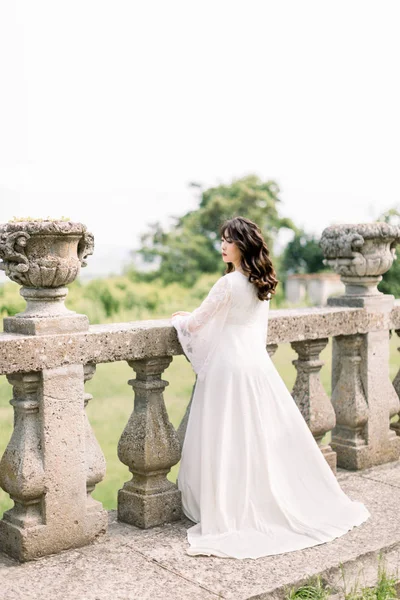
x=180, y=312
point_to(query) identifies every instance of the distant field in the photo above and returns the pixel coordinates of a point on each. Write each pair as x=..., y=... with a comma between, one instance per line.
x=113, y=402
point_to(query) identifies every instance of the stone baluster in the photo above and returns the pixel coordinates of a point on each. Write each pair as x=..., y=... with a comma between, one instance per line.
x=149, y=446
x=271, y=349
x=363, y=396
x=396, y=384
x=21, y=468
x=95, y=461
x=310, y=396
x=349, y=437
x=183, y=424
x=44, y=257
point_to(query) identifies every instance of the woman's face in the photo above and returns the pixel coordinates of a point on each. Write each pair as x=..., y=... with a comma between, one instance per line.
x=230, y=252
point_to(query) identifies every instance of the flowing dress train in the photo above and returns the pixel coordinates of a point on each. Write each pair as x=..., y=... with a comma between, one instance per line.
x=252, y=477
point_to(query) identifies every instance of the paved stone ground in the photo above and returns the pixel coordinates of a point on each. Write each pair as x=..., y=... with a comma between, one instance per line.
x=134, y=564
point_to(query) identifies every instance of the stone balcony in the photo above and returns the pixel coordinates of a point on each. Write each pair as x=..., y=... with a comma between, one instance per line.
x=53, y=461
x=129, y=563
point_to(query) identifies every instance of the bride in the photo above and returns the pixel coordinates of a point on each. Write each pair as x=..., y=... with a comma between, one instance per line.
x=252, y=477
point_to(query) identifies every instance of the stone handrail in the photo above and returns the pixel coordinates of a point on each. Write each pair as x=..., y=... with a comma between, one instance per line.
x=152, y=338
x=53, y=461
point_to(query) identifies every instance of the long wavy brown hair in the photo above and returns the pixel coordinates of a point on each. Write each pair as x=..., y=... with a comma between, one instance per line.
x=255, y=260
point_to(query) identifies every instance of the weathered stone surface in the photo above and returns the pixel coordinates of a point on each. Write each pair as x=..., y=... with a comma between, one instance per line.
x=95, y=460
x=396, y=384
x=149, y=446
x=350, y=436
x=21, y=468
x=36, y=326
x=44, y=257
x=394, y=318
x=363, y=395
x=111, y=570
x=310, y=396
x=364, y=400
x=146, y=564
x=360, y=254
x=62, y=521
x=143, y=339
x=44, y=254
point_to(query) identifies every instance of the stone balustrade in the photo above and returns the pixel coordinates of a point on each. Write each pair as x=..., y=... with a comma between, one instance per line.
x=53, y=460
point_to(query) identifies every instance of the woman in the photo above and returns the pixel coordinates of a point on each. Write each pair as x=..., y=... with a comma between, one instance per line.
x=252, y=477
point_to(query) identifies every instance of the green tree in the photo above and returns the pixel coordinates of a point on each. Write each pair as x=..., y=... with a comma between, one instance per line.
x=192, y=245
x=390, y=283
x=303, y=255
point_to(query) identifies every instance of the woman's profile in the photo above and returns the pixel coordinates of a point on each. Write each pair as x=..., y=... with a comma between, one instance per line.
x=252, y=477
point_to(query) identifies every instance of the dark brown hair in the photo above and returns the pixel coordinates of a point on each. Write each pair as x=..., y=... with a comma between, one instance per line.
x=255, y=260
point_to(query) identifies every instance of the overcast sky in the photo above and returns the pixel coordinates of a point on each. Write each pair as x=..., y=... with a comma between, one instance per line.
x=108, y=109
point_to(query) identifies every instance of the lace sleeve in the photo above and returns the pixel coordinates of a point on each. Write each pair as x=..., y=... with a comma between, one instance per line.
x=217, y=298
x=199, y=332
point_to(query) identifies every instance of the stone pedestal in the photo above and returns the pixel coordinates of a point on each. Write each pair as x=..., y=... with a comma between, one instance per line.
x=51, y=463
x=45, y=313
x=362, y=393
x=149, y=446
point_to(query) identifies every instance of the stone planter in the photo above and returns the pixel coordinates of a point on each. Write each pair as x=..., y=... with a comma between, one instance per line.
x=361, y=254
x=44, y=257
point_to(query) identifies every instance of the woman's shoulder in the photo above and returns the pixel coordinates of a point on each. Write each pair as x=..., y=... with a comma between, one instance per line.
x=231, y=280
x=237, y=276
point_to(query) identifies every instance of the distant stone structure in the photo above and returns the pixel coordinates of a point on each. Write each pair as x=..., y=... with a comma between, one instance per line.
x=314, y=287
x=53, y=461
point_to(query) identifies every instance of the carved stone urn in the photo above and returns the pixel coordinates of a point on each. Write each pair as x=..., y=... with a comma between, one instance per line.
x=361, y=254
x=44, y=257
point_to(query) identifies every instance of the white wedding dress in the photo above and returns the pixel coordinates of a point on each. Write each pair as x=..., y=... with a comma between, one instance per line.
x=252, y=477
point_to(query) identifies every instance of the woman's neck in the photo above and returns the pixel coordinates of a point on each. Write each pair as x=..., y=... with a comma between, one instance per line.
x=239, y=268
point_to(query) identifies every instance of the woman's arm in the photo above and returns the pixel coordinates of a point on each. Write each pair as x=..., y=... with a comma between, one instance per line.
x=217, y=298
x=199, y=331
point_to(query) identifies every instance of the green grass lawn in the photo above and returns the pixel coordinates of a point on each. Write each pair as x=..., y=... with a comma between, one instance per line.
x=112, y=404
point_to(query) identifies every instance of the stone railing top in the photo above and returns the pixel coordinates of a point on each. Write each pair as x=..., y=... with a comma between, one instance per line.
x=143, y=339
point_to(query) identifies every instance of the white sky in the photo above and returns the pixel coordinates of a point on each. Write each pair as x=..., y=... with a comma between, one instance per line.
x=109, y=108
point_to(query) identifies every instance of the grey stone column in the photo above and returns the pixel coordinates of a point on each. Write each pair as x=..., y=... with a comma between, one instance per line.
x=363, y=395
x=149, y=446
x=95, y=461
x=21, y=468
x=310, y=396
x=350, y=436
x=45, y=467
x=396, y=384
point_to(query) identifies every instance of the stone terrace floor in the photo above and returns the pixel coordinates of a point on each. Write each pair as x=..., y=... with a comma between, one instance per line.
x=130, y=563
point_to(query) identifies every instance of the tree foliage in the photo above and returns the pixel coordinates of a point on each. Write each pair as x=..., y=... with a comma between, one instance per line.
x=192, y=245
x=303, y=255
x=390, y=283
